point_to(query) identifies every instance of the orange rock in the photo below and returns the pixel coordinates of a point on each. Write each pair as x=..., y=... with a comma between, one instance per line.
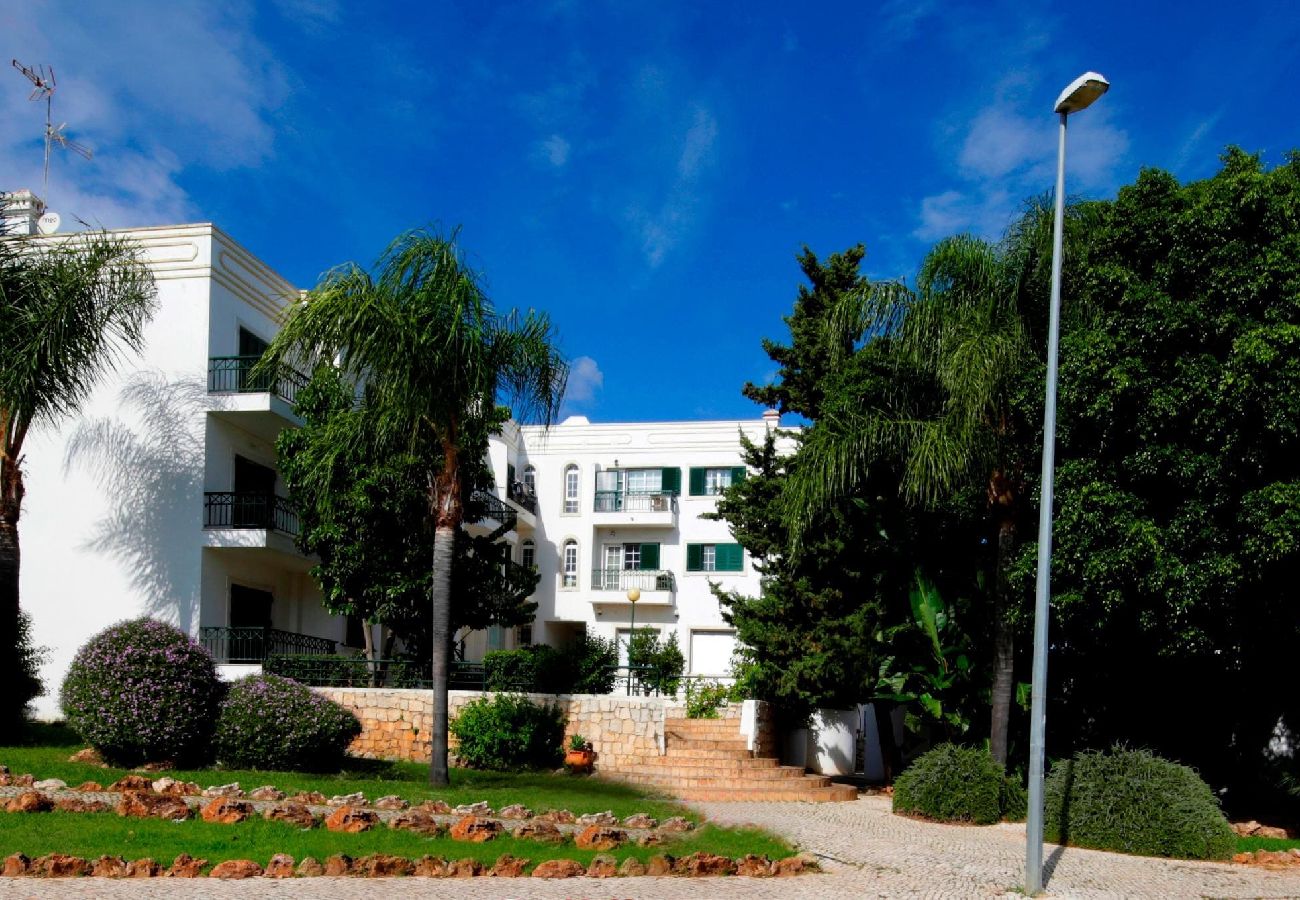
x=132, y=783
x=464, y=868
x=30, y=802
x=516, y=811
x=90, y=787
x=602, y=866
x=381, y=865
x=60, y=865
x=632, y=868
x=141, y=805
x=338, y=864
x=90, y=756
x=677, y=824
x=311, y=798
x=558, y=817
x=351, y=820
x=435, y=807
x=559, y=868
x=508, y=866
x=15, y=865
x=292, y=813
x=280, y=866
x=541, y=831
x=310, y=868
x=109, y=867
x=431, y=867
x=659, y=865
x=700, y=864
x=74, y=804
x=236, y=868
x=754, y=866
x=416, y=820
x=143, y=868
x=600, y=837
x=225, y=811
x=793, y=865
x=640, y=820
x=186, y=866
x=475, y=830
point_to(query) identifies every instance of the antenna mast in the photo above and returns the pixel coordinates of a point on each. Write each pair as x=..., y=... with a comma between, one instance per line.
x=43, y=86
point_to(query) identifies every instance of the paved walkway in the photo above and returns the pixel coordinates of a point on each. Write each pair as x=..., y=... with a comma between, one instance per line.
x=867, y=851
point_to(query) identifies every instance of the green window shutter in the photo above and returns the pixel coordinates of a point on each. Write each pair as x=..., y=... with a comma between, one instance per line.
x=694, y=557
x=730, y=558
x=697, y=482
x=649, y=556
x=672, y=481
x=737, y=474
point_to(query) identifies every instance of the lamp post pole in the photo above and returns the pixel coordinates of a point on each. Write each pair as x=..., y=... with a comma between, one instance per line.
x=1078, y=95
x=633, y=595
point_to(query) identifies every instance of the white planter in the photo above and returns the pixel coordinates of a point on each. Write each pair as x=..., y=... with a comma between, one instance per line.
x=834, y=741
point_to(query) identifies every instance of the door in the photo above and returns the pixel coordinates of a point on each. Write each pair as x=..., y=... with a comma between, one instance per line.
x=250, y=616
x=254, y=502
x=251, y=348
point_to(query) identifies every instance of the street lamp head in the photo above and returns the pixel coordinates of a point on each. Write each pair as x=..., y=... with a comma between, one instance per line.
x=1081, y=93
x=633, y=595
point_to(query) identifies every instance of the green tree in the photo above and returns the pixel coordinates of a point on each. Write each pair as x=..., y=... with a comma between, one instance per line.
x=1178, y=488
x=365, y=513
x=69, y=310
x=435, y=358
x=961, y=346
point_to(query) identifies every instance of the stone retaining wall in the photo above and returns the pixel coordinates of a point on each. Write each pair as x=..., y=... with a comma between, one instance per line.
x=623, y=730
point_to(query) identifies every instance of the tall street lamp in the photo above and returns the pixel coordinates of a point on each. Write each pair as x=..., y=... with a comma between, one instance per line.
x=1080, y=94
x=633, y=595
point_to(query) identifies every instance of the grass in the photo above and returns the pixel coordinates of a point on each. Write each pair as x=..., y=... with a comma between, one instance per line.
x=90, y=835
x=46, y=749
x=1251, y=844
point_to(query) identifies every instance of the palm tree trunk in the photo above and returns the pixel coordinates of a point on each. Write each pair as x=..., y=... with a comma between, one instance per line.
x=447, y=510
x=11, y=501
x=1003, y=640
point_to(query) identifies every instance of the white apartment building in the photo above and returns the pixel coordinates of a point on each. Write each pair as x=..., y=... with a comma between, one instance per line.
x=163, y=497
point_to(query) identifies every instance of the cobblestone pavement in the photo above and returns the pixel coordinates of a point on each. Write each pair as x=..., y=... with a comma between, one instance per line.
x=867, y=852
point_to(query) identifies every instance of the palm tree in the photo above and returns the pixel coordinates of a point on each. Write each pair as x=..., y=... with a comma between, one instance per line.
x=435, y=359
x=70, y=308
x=966, y=335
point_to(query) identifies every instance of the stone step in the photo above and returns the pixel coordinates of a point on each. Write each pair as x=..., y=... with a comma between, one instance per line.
x=681, y=751
x=749, y=763
x=726, y=726
x=694, y=743
x=669, y=770
x=836, y=793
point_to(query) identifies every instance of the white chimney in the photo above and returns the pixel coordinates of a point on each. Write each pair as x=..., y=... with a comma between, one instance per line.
x=20, y=211
x=771, y=418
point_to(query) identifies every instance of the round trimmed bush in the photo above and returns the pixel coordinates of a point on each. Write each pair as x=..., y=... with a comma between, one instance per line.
x=953, y=784
x=1133, y=801
x=143, y=691
x=508, y=732
x=269, y=722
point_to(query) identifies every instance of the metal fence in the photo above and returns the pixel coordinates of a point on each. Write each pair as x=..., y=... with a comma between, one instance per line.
x=254, y=645
x=624, y=501
x=623, y=579
x=234, y=375
x=249, y=509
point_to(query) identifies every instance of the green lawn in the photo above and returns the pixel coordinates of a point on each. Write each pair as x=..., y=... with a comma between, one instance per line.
x=1251, y=844
x=90, y=835
x=47, y=748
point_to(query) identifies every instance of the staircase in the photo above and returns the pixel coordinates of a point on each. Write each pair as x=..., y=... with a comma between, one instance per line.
x=708, y=760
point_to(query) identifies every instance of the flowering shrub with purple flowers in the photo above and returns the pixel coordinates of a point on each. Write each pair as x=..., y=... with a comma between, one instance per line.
x=269, y=722
x=143, y=691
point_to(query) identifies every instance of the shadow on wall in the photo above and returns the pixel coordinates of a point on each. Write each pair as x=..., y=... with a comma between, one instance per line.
x=149, y=463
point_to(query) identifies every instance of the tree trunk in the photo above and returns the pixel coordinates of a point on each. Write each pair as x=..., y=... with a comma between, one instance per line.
x=447, y=511
x=11, y=501
x=1003, y=641
x=368, y=637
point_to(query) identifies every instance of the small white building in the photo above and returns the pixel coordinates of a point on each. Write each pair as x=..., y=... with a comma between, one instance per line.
x=163, y=497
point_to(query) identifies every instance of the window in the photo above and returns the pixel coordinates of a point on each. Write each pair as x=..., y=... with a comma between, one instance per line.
x=530, y=480
x=644, y=481
x=524, y=636
x=711, y=652
x=571, y=563
x=528, y=555
x=710, y=482
x=715, y=558
x=571, y=488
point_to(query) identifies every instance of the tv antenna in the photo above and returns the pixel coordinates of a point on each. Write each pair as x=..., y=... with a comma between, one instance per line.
x=43, y=87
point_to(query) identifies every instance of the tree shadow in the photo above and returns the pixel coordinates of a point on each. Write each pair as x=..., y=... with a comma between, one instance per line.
x=149, y=463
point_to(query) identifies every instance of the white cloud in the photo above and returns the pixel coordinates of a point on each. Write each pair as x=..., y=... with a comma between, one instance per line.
x=555, y=150
x=195, y=89
x=585, y=382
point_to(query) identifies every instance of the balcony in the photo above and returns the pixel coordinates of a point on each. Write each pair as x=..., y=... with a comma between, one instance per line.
x=522, y=497
x=648, y=510
x=261, y=404
x=657, y=586
x=249, y=509
x=487, y=514
x=254, y=645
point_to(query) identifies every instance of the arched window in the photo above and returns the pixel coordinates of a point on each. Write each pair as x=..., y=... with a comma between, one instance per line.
x=570, y=563
x=528, y=555
x=530, y=480
x=571, y=488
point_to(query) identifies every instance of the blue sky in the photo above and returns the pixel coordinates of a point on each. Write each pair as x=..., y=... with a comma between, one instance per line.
x=645, y=172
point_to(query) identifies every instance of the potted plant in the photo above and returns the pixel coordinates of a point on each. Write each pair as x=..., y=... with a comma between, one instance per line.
x=580, y=756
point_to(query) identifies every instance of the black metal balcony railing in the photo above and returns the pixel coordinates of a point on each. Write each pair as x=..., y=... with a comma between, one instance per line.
x=623, y=579
x=520, y=494
x=483, y=505
x=625, y=501
x=254, y=645
x=234, y=375
x=249, y=509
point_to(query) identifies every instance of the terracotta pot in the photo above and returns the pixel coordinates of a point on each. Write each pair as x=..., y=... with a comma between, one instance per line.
x=580, y=759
